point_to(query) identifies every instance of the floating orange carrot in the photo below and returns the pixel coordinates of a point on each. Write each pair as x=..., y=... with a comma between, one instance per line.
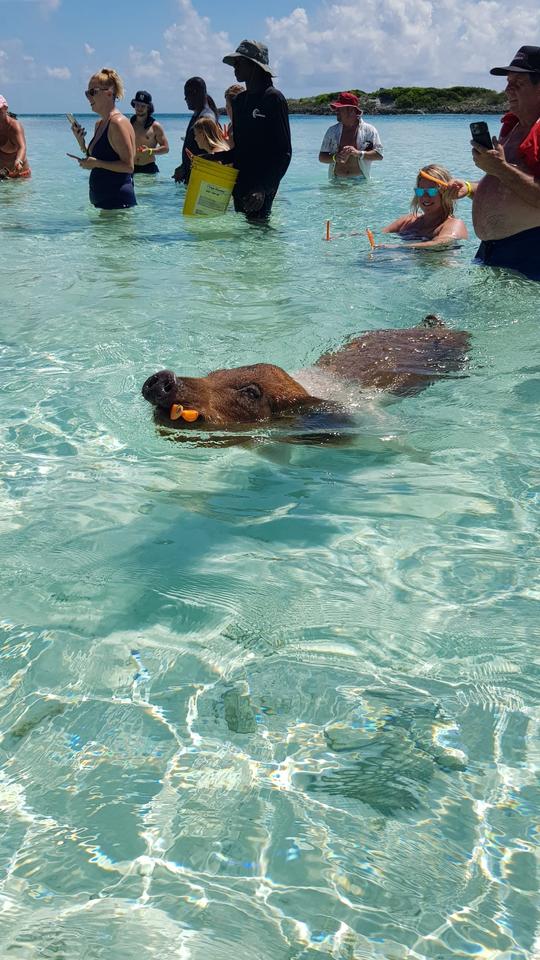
x=371, y=239
x=177, y=411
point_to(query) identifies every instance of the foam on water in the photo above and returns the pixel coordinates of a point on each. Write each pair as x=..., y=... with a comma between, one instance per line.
x=270, y=699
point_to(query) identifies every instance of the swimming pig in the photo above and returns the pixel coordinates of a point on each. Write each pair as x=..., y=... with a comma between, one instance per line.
x=398, y=361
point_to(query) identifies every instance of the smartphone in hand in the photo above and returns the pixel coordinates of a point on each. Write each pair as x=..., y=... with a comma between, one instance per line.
x=481, y=135
x=70, y=118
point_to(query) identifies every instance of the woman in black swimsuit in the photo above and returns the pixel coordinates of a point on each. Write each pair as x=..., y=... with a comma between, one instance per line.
x=110, y=156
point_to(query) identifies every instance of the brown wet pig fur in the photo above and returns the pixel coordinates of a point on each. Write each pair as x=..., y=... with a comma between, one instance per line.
x=399, y=361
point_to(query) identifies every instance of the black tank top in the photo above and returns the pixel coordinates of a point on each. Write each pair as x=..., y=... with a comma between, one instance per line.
x=109, y=190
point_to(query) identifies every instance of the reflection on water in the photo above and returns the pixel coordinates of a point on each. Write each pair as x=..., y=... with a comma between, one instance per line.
x=262, y=697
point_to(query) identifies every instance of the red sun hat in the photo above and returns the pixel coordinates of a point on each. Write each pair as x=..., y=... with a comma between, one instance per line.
x=347, y=100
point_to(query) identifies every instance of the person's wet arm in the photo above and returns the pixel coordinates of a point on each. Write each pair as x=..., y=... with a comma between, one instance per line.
x=398, y=224
x=163, y=144
x=21, y=146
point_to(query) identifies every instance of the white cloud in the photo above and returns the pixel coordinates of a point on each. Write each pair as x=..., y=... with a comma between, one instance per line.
x=15, y=65
x=397, y=42
x=88, y=49
x=59, y=73
x=49, y=6
x=3, y=67
x=145, y=65
x=193, y=48
x=190, y=47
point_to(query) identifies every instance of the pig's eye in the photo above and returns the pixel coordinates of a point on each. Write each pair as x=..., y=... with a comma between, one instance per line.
x=252, y=392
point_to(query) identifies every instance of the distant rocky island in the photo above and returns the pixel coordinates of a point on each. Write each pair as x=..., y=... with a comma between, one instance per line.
x=411, y=100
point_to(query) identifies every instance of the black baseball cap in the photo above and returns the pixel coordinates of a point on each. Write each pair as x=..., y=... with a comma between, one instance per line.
x=526, y=60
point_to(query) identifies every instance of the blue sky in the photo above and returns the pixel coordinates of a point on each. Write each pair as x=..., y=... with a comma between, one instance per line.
x=49, y=48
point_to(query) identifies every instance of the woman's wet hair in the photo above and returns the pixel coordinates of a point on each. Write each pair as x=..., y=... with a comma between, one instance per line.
x=212, y=131
x=441, y=173
x=110, y=78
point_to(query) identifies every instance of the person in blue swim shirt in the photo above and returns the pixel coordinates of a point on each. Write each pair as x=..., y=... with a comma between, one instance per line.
x=110, y=155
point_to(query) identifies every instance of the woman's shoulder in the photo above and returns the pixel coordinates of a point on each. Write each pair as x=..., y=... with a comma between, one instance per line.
x=118, y=119
x=453, y=227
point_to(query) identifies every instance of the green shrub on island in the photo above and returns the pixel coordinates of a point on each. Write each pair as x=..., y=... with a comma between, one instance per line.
x=411, y=100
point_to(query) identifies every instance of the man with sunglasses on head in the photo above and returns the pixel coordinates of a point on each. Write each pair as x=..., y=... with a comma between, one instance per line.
x=351, y=144
x=506, y=201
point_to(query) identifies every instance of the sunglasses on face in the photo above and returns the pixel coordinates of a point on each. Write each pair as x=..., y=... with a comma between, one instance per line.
x=91, y=92
x=431, y=191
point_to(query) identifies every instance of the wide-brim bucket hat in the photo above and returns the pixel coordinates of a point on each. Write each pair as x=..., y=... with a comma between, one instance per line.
x=251, y=50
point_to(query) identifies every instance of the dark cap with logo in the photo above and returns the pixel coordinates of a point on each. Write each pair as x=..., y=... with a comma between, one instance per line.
x=526, y=60
x=142, y=96
x=251, y=50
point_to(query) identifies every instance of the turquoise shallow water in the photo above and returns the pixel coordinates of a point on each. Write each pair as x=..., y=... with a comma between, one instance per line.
x=279, y=700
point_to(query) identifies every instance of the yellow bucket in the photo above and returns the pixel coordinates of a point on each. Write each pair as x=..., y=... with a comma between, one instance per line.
x=209, y=188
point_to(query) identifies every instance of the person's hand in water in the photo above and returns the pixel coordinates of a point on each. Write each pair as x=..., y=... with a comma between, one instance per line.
x=179, y=175
x=253, y=201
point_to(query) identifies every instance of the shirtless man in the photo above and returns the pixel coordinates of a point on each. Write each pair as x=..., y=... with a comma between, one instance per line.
x=506, y=201
x=350, y=145
x=13, y=162
x=150, y=139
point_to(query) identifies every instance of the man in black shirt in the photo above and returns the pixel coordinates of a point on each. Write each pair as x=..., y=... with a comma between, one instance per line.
x=262, y=136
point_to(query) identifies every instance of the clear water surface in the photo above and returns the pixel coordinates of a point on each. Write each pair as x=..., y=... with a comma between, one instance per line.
x=280, y=700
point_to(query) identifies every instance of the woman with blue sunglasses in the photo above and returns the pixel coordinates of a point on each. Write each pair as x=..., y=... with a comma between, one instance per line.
x=432, y=222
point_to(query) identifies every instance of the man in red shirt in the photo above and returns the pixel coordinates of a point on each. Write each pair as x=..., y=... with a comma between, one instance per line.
x=506, y=201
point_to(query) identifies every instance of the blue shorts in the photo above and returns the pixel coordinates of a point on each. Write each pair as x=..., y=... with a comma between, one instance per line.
x=519, y=252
